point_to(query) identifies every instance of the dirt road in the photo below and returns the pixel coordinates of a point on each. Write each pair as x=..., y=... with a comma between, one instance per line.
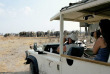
x=12, y=53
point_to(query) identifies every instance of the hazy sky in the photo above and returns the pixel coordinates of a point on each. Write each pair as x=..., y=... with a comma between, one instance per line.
x=32, y=15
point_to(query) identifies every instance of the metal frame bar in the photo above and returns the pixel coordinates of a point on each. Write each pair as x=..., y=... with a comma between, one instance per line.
x=61, y=33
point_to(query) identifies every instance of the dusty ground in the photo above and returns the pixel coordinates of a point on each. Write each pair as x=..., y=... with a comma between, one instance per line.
x=12, y=53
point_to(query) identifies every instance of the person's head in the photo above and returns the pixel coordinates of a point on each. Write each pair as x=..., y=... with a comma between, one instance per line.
x=96, y=34
x=104, y=26
x=72, y=38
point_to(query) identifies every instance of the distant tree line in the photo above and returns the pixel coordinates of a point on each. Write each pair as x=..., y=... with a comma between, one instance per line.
x=10, y=34
x=40, y=33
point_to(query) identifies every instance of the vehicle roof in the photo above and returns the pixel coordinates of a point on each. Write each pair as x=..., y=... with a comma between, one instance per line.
x=100, y=9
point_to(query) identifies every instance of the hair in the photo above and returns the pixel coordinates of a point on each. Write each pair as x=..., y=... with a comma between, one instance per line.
x=92, y=33
x=73, y=41
x=104, y=25
x=97, y=33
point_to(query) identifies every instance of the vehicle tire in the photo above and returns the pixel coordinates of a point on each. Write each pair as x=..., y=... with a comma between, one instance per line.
x=32, y=68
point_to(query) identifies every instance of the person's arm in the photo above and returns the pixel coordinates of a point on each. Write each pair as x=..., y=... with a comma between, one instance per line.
x=58, y=49
x=64, y=39
x=64, y=49
x=96, y=46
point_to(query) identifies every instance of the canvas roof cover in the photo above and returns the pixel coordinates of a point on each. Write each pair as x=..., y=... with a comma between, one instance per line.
x=95, y=10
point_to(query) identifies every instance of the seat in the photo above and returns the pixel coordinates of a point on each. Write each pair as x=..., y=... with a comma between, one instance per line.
x=76, y=51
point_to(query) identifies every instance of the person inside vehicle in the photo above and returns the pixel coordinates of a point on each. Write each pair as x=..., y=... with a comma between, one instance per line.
x=71, y=43
x=101, y=47
x=96, y=34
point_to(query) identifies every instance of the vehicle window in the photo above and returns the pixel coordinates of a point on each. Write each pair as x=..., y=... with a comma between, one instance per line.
x=51, y=48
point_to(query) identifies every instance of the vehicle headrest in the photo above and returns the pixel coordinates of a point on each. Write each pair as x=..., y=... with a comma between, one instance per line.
x=76, y=51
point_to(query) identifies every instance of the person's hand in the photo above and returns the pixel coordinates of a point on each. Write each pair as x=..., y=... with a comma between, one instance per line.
x=64, y=40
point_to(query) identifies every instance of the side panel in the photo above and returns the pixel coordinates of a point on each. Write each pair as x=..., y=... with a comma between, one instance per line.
x=82, y=67
x=47, y=63
x=48, y=67
x=109, y=59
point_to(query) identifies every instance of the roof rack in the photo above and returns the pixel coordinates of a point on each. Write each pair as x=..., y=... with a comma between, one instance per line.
x=71, y=5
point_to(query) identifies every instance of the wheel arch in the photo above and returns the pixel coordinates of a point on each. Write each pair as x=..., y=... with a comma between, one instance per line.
x=30, y=59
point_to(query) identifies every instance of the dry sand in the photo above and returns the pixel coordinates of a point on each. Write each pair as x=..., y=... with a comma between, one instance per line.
x=12, y=53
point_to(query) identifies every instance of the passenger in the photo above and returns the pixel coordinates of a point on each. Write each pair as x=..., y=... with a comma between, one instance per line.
x=71, y=43
x=102, y=45
x=97, y=34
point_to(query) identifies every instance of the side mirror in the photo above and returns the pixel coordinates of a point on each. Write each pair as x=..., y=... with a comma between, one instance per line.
x=35, y=47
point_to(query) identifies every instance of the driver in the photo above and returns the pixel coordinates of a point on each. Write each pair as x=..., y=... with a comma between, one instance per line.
x=70, y=43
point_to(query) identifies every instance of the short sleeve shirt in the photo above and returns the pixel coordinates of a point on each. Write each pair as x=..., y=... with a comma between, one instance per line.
x=69, y=46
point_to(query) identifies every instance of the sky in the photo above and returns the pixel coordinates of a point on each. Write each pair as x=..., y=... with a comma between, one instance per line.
x=32, y=15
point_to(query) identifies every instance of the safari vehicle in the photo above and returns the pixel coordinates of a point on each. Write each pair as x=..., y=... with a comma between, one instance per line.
x=48, y=62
